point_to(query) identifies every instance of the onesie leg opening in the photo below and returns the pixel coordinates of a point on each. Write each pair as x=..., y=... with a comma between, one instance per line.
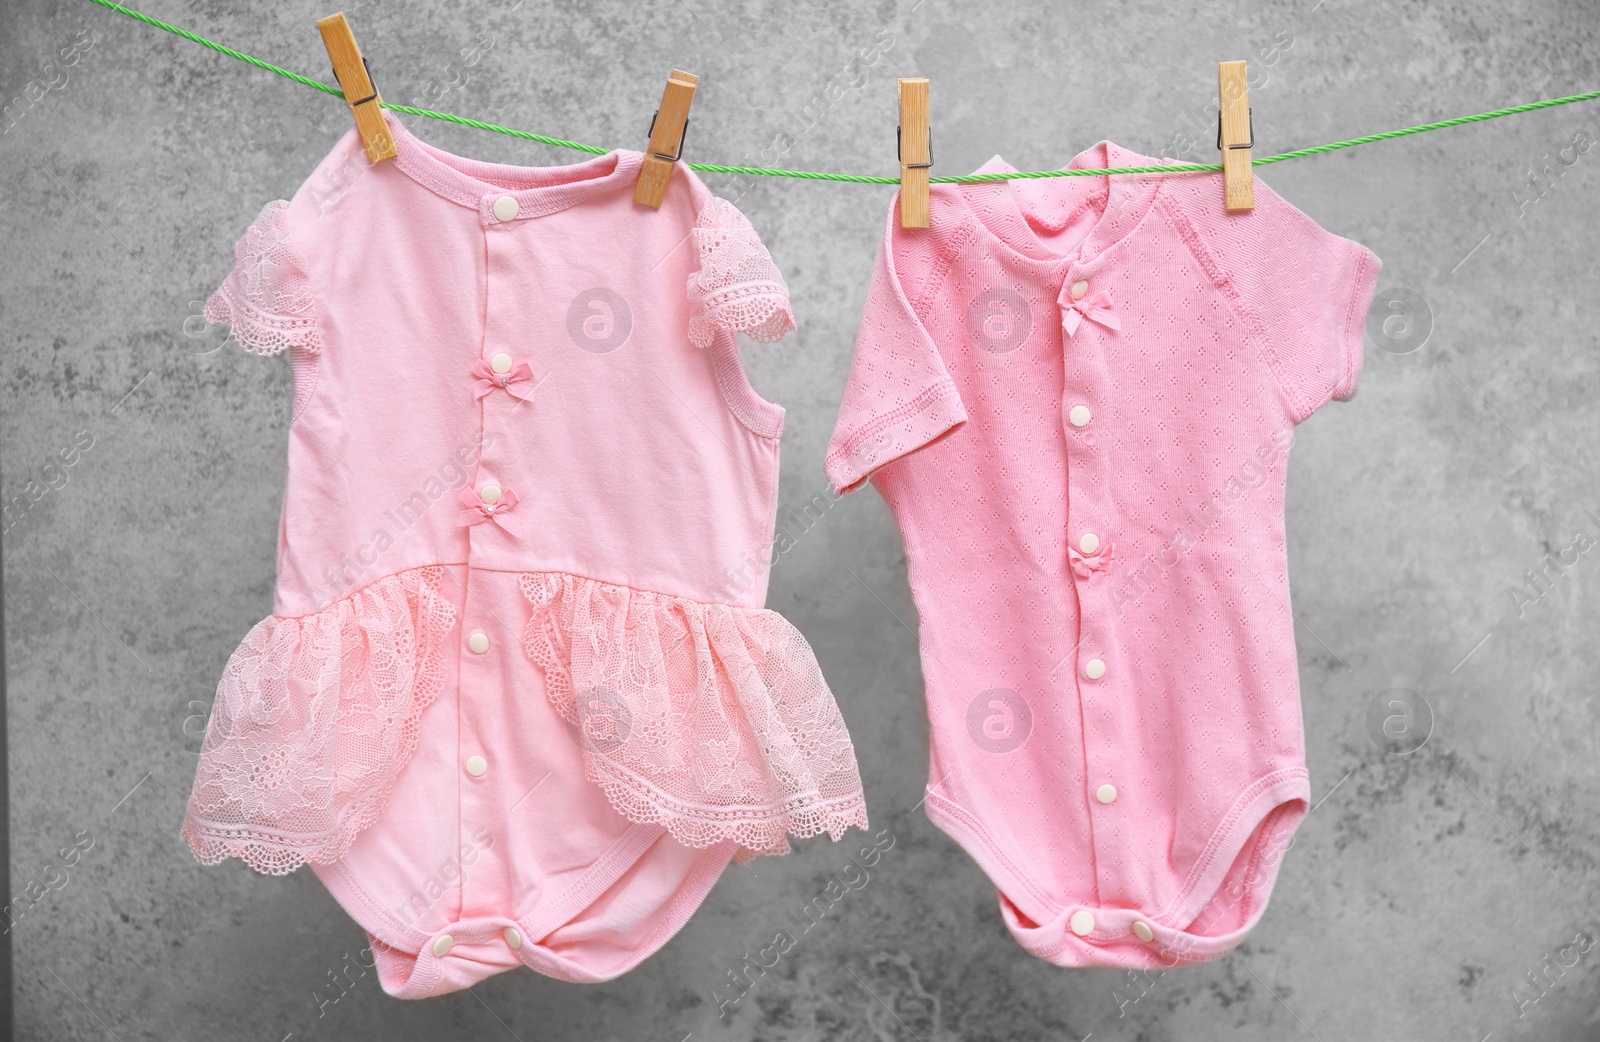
x=1228, y=895
x=630, y=920
x=1015, y=918
x=1242, y=896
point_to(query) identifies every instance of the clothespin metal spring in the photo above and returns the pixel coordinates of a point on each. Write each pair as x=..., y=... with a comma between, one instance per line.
x=682, y=137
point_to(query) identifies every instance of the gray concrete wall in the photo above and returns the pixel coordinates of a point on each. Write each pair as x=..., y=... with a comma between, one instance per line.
x=1421, y=892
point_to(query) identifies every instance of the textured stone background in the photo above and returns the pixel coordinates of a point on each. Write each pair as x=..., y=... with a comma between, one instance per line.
x=1420, y=893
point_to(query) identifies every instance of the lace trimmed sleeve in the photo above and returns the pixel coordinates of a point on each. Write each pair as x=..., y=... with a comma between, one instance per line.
x=266, y=298
x=737, y=288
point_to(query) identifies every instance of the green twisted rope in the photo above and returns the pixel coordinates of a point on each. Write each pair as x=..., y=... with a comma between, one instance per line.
x=814, y=175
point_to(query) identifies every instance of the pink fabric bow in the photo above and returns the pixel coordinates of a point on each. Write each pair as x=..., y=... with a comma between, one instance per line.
x=516, y=381
x=1086, y=565
x=1096, y=308
x=477, y=511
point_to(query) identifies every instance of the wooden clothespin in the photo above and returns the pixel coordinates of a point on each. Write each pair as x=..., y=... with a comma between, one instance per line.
x=1235, y=135
x=350, y=69
x=667, y=129
x=915, y=146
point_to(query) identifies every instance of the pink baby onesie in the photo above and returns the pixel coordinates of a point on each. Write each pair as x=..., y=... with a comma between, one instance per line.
x=519, y=700
x=1076, y=395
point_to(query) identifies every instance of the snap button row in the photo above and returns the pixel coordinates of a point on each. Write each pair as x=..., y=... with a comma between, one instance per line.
x=1082, y=924
x=442, y=946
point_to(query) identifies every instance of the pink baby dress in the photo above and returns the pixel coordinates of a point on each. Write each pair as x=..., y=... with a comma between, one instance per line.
x=1077, y=396
x=518, y=701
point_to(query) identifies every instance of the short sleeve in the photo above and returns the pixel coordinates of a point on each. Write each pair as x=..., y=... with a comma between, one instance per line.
x=1305, y=289
x=736, y=288
x=266, y=298
x=899, y=397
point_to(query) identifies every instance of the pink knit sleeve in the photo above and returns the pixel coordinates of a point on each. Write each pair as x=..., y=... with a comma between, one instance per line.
x=899, y=397
x=1304, y=290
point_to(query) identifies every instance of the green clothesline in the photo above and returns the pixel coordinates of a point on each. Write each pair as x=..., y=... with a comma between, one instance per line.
x=853, y=178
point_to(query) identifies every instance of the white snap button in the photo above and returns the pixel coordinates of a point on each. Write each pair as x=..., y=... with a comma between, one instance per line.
x=441, y=947
x=1095, y=669
x=1079, y=416
x=490, y=494
x=1143, y=932
x=513, y=936
x=1106, y=793
x=1079, y=288
x=476, y=765
x=505, y=208
x=478, y=642
x=1082, y=923
x=1088, y=544
x=500, y=363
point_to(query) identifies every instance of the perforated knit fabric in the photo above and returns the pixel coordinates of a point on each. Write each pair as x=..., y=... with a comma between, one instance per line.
x=737, y=287
x=505, y=386
x=1092, y=509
